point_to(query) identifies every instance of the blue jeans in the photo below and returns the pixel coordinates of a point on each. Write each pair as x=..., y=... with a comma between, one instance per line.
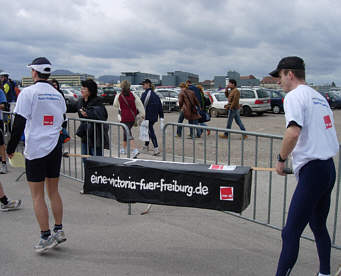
x=234, y=114
x=194, y=122
x=180, y=121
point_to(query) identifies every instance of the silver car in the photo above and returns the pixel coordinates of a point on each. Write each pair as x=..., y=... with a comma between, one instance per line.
x=254, y=99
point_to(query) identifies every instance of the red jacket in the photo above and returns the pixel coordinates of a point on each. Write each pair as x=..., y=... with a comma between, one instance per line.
x=126, y=114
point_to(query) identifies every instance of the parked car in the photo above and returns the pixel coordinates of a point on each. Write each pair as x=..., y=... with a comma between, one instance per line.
x=254, y=99
x=168, y=103
x=169, y=94
x=332, y=98
x=218, y=101
x=71, y=97
x=276, y=100
x=108, y=94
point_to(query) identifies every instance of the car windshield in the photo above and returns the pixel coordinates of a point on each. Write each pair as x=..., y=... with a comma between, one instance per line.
x=160, y=95
x=262, y=93
x=169, y=93
x=220, y=97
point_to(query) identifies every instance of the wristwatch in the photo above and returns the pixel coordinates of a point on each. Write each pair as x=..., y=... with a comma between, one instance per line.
x=280, y=159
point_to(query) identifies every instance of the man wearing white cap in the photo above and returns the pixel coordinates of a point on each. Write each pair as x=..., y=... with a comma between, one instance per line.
x=39, y=112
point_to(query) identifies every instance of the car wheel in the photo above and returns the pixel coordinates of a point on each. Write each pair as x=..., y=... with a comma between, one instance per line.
x=247, y=111
x=214, y=113
x=276, y=109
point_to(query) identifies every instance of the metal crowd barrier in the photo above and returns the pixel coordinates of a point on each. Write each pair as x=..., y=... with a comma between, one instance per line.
x=271, y=193
x=73, y=166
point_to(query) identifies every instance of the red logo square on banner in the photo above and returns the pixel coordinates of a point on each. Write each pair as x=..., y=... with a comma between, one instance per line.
x=48, y=120
x=217, y=167
x=327, y=121
x=226, y=193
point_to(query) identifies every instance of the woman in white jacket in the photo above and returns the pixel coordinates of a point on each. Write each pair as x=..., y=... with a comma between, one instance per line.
x=129, y=106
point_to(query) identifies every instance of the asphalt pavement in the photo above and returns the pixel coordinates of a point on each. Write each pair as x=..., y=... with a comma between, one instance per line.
x=104, y=240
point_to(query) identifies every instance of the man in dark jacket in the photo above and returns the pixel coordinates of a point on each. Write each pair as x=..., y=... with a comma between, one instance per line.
x=153, y=107
x=8, y=86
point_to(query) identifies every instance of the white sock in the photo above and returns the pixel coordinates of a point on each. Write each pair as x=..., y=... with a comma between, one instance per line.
x=320, y=274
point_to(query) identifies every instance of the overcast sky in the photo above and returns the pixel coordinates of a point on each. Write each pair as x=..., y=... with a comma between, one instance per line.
x=206, y=37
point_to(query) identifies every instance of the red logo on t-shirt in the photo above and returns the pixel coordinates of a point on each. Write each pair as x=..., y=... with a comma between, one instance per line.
x=48, y=120
x=226, y=193
x=327, y=121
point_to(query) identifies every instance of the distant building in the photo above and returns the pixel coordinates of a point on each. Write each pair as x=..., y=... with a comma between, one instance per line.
x=234, y=75
x=219, y=82
x=136, y=78
x=68, y=79
x=207, y=84
x=270, y=82
x=176, y=77
x=250, y=80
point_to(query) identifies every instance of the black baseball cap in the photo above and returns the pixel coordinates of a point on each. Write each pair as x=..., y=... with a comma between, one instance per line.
x=288, y=63
x=41, y=64
x=146, y=81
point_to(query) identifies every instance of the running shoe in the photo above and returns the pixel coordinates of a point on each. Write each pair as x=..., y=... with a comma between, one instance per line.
x=59, y=236
x=156, y=152
x=3, y=169
x=135, y=153
x=44, y=245
x=11, y=205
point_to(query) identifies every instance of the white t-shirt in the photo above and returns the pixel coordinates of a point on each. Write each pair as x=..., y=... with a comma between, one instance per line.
x=43, y=107
x=318, y=139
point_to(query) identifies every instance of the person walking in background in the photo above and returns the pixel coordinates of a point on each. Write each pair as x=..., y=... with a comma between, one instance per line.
x=128, y=106
x=90, y=106
x=8, y=87
x=8, y=204
x=311, y=138
x=153, y=110
x=39, y=112
x=3, y=102
x=233, y=108
x=181, y=118
x=190, y=106
x=204, y=105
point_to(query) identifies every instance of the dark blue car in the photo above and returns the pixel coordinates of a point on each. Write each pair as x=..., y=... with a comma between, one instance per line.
x=276, y=100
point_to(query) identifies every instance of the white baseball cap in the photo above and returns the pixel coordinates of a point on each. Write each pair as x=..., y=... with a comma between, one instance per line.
x=41, y=64
x=3, y=73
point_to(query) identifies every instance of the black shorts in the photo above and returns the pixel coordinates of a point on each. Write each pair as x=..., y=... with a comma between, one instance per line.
x=47, y=166
x=2, y=133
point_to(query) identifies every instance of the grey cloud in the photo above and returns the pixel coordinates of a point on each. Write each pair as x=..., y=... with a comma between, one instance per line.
x=205, y=37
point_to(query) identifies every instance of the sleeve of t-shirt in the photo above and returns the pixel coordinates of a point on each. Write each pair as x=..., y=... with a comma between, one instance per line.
x=294, y=110
x=23, y=106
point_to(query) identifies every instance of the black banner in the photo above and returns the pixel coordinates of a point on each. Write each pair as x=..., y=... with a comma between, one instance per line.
x=218, y=187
